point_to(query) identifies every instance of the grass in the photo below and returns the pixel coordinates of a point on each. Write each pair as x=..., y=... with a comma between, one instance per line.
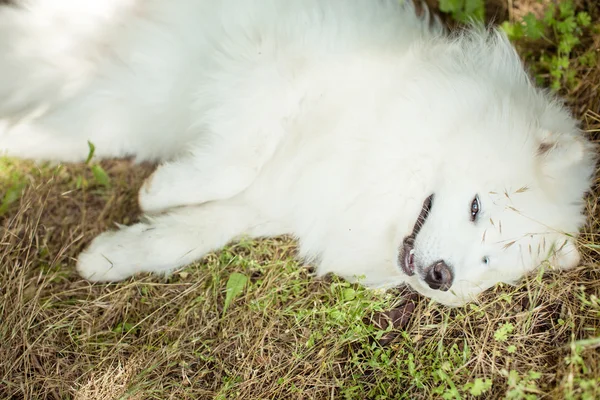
x=250, y=322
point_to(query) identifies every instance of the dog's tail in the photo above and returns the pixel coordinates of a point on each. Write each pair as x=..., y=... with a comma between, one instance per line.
x=49, y=48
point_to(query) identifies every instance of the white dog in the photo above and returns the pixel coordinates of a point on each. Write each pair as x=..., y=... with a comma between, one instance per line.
x=392, y=151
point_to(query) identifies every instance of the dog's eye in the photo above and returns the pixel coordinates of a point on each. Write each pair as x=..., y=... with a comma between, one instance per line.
x=475, y=207
x=485, y=260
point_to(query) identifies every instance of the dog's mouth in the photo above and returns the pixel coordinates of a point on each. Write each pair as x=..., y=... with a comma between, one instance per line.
x=406, y=257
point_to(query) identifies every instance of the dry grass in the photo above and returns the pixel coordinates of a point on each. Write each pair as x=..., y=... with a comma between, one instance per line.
x=288, y=335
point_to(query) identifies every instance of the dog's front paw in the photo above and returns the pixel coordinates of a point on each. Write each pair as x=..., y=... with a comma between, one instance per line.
x=171, y=185
x=157, y=193
x=105, y=260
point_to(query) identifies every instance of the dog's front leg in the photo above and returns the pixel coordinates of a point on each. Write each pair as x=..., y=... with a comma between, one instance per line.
x=196, y=180
x=218, y=171
x=172, y=240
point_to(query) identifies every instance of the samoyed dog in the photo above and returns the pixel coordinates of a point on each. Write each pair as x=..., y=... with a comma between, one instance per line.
x=393, y=151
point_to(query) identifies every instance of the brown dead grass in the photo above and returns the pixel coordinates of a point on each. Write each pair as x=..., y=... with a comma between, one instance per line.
x=288, y=335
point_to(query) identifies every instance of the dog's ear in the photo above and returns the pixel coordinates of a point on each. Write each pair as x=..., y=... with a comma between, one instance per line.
x=566, y=256
x=566, y=163
x=558, y=151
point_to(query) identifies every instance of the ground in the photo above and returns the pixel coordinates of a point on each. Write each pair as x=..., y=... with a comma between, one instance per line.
x=250, y=322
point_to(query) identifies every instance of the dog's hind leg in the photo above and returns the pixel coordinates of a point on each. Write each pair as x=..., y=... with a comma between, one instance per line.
x=196, y=180
x=114, y=120
x=62, y=84
x=63, y=133
x=169, y=241
x=49, y=48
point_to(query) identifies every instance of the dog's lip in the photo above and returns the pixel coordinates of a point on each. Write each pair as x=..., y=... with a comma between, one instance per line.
x=407, y=258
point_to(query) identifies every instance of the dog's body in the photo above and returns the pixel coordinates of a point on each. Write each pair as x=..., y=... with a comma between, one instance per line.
x=331, y=120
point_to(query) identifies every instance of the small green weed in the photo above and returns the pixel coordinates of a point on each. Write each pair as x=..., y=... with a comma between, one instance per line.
x=13, y=180
x=464, y=10
x=235, y=285
x=100, y=175
x=562, y=28
x=582, y=384
x=522, y=386
x=502, y=333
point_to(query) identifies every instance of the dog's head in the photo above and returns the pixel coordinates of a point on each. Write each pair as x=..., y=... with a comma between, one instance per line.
x=499, y=209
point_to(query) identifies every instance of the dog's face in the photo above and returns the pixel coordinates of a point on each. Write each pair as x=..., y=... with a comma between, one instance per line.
x=465, y=242
x=492, y=220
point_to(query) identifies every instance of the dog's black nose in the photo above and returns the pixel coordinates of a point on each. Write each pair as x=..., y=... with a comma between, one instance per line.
x=439, y=276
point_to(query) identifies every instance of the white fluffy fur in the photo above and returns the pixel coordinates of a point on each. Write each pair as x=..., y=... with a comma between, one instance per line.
x=331, y=120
